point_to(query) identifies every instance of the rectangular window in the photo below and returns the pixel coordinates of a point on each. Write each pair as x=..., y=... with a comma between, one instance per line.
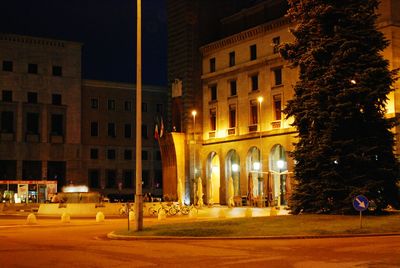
x=276, y=42
x=32, y=123
x=232, y=116
x=158, y=178
x=144, y=132
x=127, y=131
x=7, y=66
x=7, y=122
x=57, y=71
x=128, y=106
x=111, y=181
x=94, y=103
x=277, y=107
x=57, y=124
x=278, y=76
x=94, y=129
x=94, y=153
x=233, y=87
x=158, y=156
x=144, y=107
x=32, y=97
x=231, y=58
x=253, y=52
x=146, y=178
x=213, y=92
x=111, y=154
x=159, y=108
x=254, y=82
x=128, y=154
x=253, y=113
x=213, y=119
x=111, y=105
x=32, y=68
x=212, y=65
x=56, y=99
x=145, y=155
x=94, y=178
x=128, y=178
x=111, y=130
x=7, y=96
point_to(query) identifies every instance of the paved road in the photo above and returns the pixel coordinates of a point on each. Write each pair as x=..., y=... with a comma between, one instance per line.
x=83, y=243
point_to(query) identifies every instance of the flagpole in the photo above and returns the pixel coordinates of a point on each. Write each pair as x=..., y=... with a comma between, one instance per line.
x=138, y=195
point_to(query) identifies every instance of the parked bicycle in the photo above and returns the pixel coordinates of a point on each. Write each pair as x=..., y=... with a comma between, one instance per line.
x=123, y=211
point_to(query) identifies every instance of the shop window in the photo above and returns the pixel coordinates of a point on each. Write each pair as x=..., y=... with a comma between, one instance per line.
x=7, y=95
x=32, y=97
x=94, y=129
x=7, y=122
x=32, y=68
x=253, y=52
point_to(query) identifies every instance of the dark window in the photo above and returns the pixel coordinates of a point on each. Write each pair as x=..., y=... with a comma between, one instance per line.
x=146, y=179
x=128, y=106
x=145, y=155
x=7, y=122
x=7, y=66
x=111, y=154
x=278, y=107
x=158, y=178
x=32, y=68
x=158, y=156
x=253, y=52
x=32, y=123
x=276, y=42
x=144, y=107
x=111, y=105
x=213, y=91
x=128, y=131
x=231, y=58
x=56, y=99
x=159, y=108
x=32, y=97
x=94, y=129
x=128, y=178
x=7, y=95
x=57, y=124
x=212, y=65
x=94, y=153
x=253, y=113
x=232, y=116
x=213, y=119
x=57, y=71
x=111, y=130
x=94, y=103
x=144, y=132
x=254, y=82
x=278, y=76
x=111, y=179
x=94, y=178
x=128, y=154
x=233, y=87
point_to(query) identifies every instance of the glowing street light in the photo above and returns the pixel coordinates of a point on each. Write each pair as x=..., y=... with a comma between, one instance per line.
x=235, y=167
x=194, y=113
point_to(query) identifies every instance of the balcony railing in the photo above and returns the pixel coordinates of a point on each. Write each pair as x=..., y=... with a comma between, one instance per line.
x=276, y=124
x=232, y=131
x=253, y=128
x=211, y=134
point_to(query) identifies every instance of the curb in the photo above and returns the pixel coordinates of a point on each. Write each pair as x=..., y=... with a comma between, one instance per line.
x=115, y=236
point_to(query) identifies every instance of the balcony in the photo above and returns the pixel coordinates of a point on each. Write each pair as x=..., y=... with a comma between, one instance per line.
x=253, y=128
x=276, y=124
x=231, y=131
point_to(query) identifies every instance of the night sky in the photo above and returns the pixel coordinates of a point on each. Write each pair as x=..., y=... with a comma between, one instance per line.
x=107, y=28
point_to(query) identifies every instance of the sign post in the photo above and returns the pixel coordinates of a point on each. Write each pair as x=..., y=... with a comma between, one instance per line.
x=360, y=203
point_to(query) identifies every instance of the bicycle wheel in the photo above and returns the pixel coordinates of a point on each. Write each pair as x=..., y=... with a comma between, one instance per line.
x=122, y=211
x=185, y=210
x=172, y=211
x=153, y=211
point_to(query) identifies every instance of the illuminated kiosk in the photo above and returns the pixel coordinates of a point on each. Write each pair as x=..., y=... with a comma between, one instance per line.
x=27, y=191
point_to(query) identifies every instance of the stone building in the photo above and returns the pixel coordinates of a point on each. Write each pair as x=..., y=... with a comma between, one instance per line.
x=57, y=126
x=241, y=132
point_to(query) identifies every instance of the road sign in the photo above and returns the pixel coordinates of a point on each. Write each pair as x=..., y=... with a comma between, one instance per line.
x=360, y=203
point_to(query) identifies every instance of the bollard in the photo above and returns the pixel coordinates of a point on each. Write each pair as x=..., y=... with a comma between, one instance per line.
x=249, y=213
x=162, y=215
x=274, y=212
x=222, y=213
x=100, y=216
x=65, y=218
x=193, y=213
x=131, y=215
x=31, y=219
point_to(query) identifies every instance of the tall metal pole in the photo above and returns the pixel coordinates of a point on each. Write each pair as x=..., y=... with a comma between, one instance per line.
x=194, y=112
x=138, y=195
x=260, y=100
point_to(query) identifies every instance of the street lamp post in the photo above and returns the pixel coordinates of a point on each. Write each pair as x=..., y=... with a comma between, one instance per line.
x=194, y=113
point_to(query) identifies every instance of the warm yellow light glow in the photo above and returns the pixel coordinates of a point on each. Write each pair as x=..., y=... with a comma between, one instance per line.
x=75, y=189
x=280, y=164
x=256, y=165
x=260, y=99
x=215, y=169
x=235, y=167
x=194, y=112
x=353, y=81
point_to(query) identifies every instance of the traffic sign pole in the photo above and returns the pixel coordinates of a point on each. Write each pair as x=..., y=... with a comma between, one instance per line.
x=360, y=219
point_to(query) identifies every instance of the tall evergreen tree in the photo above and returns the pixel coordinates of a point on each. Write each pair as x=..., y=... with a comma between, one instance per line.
x=345, y=145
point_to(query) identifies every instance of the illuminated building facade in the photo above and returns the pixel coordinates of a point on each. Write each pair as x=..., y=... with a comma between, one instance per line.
x=242, y=133
x=57, y=126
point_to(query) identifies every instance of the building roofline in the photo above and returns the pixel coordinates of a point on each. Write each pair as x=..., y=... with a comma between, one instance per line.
x=40, y=41
x=121, y=85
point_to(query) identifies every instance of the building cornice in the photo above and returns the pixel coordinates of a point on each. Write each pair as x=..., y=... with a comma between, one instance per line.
x=120, y=85
x=38, y=41
x=245, y=35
